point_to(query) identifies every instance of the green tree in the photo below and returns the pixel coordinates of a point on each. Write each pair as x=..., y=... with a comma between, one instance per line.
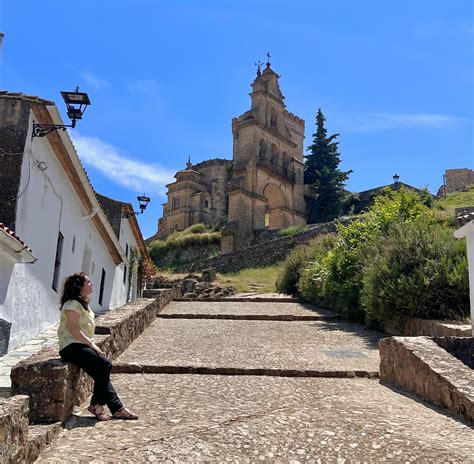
x=322, y=173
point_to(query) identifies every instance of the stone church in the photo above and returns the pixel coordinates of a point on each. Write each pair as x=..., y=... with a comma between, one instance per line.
x=261, y=188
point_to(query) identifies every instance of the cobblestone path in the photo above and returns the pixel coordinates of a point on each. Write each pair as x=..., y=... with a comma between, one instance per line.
x=261, y=418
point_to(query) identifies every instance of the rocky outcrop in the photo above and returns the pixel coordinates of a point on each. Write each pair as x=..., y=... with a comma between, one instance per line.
x=13, y=429
x=54, y=387
x=420, y=365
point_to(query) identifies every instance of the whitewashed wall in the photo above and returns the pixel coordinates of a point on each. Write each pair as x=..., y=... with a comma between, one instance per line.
x=48, y=204
x=122, y=292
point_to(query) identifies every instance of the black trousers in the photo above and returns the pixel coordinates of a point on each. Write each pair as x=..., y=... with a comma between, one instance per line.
x=99, y=368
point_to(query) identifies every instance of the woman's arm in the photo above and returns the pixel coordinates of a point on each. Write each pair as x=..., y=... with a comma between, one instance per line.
x=72, y=323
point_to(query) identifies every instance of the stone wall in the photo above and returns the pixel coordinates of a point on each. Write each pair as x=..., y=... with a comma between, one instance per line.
x=420, y=365
x=460, y=347
x=261, y=254
x=13, y=429
x=55, y=386
x=14, y=116
x=458, y=180
x=415, y=327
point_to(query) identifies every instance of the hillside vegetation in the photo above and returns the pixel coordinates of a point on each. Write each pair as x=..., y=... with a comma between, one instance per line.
x=456, y=200
x=192, y=244
x=401, y=261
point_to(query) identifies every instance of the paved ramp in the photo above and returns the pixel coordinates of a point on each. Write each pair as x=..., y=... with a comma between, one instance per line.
x=275, y=416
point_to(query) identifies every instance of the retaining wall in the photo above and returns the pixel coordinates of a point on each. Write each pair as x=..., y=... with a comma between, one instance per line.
x=419, y=365
x=261, y=254
x=54, y=387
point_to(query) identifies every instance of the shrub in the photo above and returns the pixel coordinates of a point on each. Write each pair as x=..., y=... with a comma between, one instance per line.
x=158, y=250
x=292, y=230
x=417, y=270
x=297, y=260
x=195, y=235
x=336, y=278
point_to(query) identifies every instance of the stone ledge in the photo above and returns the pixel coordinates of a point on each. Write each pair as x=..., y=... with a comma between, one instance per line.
x=130, y=368
x=420, y=365
x=250, y=317
x=14, y=429
x=415, y=327
x=253, y=299
x=54, y=387
x=39, y=436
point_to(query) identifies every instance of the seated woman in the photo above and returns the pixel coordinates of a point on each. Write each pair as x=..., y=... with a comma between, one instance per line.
x=75, y=332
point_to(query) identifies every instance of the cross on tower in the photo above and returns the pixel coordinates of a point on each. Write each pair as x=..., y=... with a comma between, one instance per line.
x=259, y=65
x=268, y=59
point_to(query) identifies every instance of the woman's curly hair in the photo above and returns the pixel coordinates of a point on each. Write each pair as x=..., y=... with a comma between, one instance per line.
x=72, y=289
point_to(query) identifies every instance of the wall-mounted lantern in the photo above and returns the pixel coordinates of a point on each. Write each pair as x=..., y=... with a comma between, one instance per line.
x=76, y=103
x=142, y=204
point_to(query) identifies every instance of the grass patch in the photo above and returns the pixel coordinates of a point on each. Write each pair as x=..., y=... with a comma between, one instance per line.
x=292, y=230
x=456, y=200
x=198, y=235
x=261, y=280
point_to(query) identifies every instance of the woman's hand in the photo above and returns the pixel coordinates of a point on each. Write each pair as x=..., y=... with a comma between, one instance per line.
x=97, y=349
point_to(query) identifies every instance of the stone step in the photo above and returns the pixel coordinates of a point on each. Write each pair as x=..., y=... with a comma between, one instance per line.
x=129, y=368
x=39, y=436
x=252, y=299
x=251, y=317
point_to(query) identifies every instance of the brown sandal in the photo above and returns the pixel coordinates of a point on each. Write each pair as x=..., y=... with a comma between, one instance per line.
x=124, y=413
x=100, y=416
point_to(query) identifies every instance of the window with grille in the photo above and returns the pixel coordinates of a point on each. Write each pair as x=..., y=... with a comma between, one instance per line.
x=102, y=285
x=57, y=261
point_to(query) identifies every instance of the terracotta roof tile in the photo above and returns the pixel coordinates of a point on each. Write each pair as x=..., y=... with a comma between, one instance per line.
x=12, y=234
x=22, y=96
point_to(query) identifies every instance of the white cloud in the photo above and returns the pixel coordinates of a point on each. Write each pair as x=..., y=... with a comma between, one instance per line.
x=96, y=82
x=147, y=87
x=386, y=121
x=121, y=168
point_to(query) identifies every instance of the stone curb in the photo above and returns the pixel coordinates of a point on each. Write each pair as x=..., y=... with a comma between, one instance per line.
x=122, y=368
x=39, y=436
x=250, y=317
x=420, y=365
x=243, y=300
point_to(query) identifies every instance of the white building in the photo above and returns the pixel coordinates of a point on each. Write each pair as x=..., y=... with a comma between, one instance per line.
x=467, y=231
x=47, y=199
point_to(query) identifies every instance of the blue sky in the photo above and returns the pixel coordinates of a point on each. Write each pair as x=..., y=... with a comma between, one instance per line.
x=165, y=78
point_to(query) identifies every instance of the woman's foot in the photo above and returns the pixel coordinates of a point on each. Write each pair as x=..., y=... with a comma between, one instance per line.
x=99, y=412
x=124, y=413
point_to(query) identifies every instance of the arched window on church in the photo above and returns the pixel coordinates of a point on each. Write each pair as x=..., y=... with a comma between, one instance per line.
x=263, y=148
x=274, y=154
x=175, y=203
x=285, y=163
x=273, y=119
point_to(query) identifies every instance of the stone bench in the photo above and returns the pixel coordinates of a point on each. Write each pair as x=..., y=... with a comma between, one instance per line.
x=54, y=387
x=422, y=365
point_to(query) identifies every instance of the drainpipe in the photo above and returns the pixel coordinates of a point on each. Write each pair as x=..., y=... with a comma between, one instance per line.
x=94, y=211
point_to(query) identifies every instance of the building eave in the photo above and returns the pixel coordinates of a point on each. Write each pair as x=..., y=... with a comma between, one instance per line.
x=14, y=248
x=132, y=220
x=465, y=230
x=67, y=156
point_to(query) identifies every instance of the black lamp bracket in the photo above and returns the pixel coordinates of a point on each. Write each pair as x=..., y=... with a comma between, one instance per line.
x=127, y=214
x=40, y=130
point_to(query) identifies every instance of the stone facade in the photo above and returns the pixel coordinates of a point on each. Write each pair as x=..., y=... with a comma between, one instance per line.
x=458, y=180
x=262, y=187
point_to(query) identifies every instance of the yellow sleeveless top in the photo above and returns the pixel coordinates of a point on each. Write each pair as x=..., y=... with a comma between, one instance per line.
x=86, y=323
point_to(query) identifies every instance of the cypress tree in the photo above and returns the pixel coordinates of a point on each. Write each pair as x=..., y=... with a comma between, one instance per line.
x=323, y=175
